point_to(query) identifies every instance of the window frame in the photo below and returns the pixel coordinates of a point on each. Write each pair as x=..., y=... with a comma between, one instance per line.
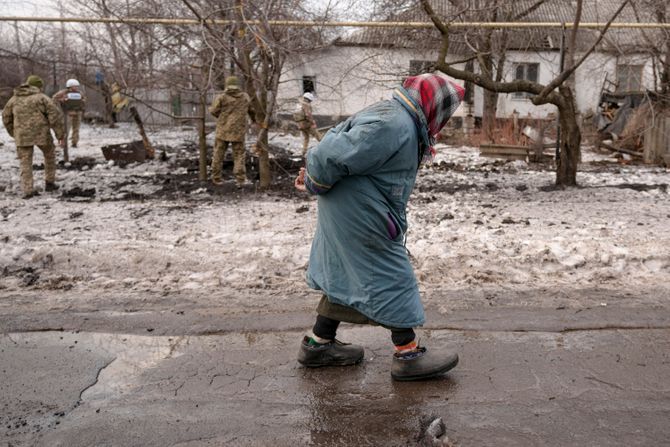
x=632, y=72
x=525, y=66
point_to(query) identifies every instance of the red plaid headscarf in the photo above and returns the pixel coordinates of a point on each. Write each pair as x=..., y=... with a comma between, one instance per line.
x=438, y=97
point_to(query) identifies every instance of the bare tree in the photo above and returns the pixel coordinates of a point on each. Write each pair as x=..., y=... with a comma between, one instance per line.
x=255, y=52
x=657, y=41
x=556, y=92
x=490, y=45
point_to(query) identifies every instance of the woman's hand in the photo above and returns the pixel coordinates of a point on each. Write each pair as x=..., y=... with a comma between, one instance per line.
x=300, y=181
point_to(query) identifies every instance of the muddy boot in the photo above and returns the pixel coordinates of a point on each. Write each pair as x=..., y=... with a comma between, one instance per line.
x=30, y=195
x=420, y=364
x=335, y=353
x=50, y=186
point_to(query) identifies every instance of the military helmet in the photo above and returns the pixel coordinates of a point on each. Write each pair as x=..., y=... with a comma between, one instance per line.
x=309, y=96
x=232, y=82
x=72, y=83
x=35, y=81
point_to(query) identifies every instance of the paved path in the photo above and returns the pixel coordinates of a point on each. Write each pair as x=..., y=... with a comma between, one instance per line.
x=599, y=377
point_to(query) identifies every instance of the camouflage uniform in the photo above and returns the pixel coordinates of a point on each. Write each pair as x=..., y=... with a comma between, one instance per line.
x=231, y=109
x=73, y=116
x=28, y=116
x=306, y=123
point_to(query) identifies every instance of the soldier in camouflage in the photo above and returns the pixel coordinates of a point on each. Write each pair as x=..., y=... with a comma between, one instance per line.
x=230, y=110
x=73, y=102
x=29, y=117
x=306, y=123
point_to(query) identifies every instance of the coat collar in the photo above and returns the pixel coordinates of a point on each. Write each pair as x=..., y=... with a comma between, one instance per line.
x=402, y=96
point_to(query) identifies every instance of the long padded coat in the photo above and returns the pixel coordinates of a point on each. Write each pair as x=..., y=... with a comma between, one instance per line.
x=363, y=172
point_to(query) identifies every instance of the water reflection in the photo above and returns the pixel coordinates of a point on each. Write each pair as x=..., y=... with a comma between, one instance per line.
x=361, y=405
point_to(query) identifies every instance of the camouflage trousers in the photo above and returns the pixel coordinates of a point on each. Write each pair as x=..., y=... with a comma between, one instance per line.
x=25, y=154
x=239, y=160
x=306, y=133
x=73, y=123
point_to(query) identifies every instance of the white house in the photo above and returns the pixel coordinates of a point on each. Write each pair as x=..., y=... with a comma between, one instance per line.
x=362, y=68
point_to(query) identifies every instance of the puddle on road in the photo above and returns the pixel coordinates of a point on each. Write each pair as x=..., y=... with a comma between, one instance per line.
x=247, y=386
x=244, y=373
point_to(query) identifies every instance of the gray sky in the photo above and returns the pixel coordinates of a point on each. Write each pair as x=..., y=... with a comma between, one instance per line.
x=350, y=9
x=28, y=8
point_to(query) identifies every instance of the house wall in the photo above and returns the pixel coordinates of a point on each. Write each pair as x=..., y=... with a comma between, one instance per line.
x=589, y=79
x=351, y=78
x=348, y=79
x=507, y=103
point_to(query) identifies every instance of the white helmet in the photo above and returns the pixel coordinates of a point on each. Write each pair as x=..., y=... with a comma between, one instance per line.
x=72, y=83
x=309, y=96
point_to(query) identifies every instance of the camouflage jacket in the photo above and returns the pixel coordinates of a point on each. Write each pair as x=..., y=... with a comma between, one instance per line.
x=29, y=115
x=61, y=98
x=303, y=115
x=231, y=109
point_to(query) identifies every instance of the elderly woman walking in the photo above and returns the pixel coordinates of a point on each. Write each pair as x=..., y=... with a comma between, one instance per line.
x=362, y=173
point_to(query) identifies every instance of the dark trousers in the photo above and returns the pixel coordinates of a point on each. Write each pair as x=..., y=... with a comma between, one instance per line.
x=327, y=328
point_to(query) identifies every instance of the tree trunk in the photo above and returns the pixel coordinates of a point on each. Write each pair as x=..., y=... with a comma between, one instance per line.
x=19, y=59
x=489, y=115
x=263, y=159
x=109, y=106
x=665, y=71
x=571, y=138
x=202, y=137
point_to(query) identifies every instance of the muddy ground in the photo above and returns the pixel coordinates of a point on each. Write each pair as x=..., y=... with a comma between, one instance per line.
x=139, y=306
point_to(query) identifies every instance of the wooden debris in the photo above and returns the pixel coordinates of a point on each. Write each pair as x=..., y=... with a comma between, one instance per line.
x=620, y=150
x=513, y=152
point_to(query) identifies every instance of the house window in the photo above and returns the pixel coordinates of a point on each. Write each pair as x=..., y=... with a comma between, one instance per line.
x=309, y=84
x=526, y=72
x=419, y=67
x=629, y=78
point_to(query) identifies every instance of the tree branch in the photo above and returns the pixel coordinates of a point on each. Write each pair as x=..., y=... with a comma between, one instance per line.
x=558, y=80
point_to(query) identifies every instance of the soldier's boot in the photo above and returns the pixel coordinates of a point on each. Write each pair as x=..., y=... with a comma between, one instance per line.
x=51, y=186
x=419, y=364
x=30, y=195
x=241, y=184
x=334, y=353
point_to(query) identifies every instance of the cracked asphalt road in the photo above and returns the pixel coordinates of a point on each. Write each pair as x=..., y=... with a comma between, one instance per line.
x=527, y=377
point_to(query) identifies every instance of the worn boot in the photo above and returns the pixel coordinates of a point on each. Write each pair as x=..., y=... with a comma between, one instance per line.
x=30, y=195
x=420, y=364
x=334, y=353
x=50, y=186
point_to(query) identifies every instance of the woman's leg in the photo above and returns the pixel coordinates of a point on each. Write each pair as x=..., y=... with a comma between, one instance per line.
x=404, y=339
x=414, y=362
x=325, y=329
x=323, y=349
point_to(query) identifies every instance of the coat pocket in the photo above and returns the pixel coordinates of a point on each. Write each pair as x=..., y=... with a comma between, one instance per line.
x=392, y=228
